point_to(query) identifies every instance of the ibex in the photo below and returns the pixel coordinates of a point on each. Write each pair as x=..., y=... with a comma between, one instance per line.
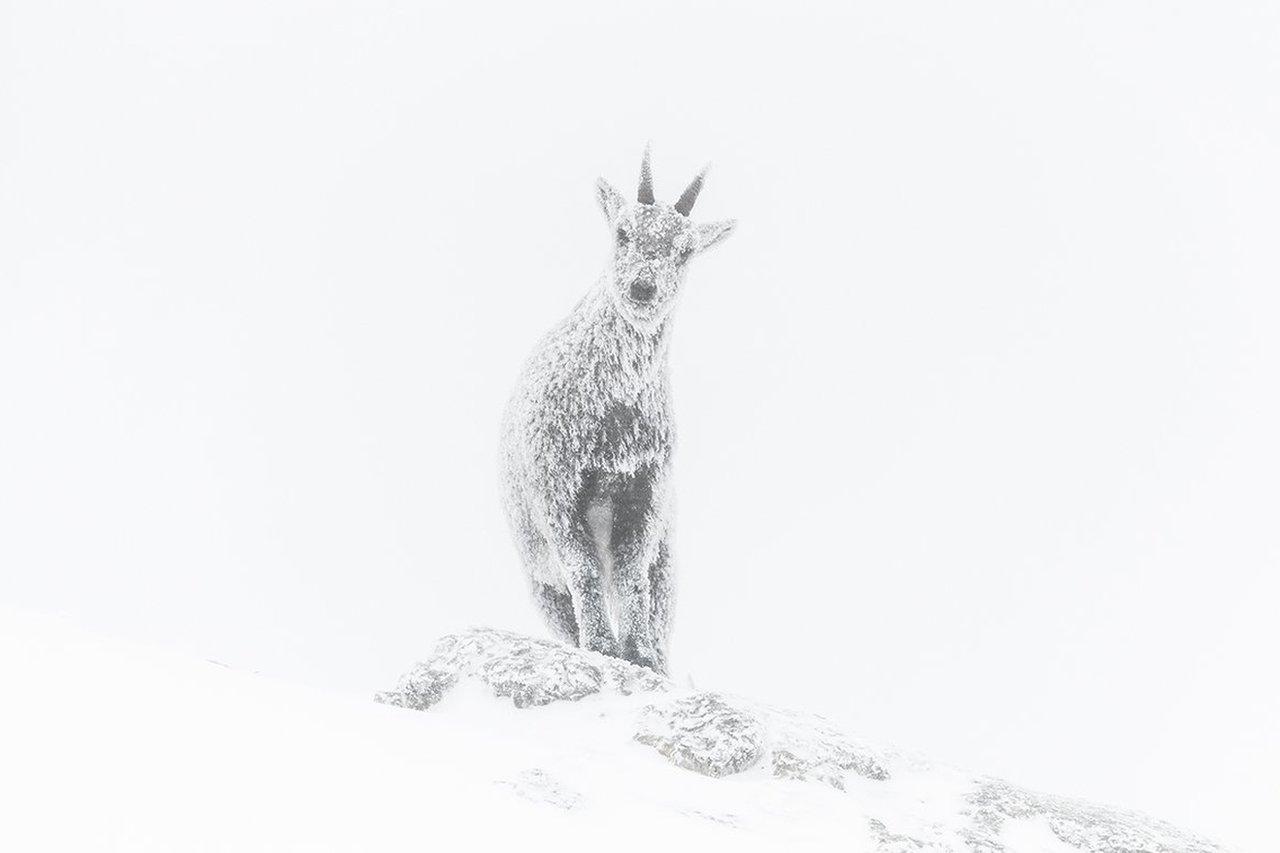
x=587, y=437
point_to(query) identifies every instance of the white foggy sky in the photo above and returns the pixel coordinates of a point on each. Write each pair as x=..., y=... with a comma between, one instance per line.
x=978, y=407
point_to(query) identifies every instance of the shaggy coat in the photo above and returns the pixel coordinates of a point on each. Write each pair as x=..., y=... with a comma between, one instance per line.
x=587, y=439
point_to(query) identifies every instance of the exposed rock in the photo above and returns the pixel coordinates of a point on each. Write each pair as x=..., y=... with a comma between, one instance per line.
x=717, y=735
x=892, y=842
x=910, y=806
x=806, y=747
x=529, y=671
x=704, y=733
x=1082, y=825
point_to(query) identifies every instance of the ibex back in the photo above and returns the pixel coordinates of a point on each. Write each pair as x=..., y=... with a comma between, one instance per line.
x=587, y=438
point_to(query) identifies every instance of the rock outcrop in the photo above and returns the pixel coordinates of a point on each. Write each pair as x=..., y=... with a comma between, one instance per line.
x=526, y=670
x=899, y=803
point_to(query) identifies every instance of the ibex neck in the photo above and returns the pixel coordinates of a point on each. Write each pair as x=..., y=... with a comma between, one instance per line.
x=629, y=355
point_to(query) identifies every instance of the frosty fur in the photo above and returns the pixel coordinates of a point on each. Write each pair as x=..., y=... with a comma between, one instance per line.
x=587, y=438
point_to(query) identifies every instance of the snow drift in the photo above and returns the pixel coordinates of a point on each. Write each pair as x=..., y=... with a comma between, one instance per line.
x=888, y=801
x=500, y=742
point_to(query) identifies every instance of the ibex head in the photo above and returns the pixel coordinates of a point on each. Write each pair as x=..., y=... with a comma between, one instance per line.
x=652, y=244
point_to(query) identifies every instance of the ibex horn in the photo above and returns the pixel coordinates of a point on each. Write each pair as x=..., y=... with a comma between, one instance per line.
x=645, y=196
x=690, y=194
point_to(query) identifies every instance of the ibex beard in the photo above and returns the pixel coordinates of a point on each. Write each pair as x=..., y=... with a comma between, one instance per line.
x=587, y=438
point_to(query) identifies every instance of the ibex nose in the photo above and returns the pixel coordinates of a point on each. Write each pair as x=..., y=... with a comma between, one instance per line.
x=643, y=291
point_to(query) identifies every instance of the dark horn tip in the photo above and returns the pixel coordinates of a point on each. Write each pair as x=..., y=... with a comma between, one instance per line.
x=645, y=195
x=690, y=194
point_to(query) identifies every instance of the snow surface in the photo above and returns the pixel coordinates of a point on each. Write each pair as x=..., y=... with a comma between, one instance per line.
x=108, y=746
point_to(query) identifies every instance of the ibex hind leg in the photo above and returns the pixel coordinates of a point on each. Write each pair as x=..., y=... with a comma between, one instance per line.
x=553, y=600
x=557, y=608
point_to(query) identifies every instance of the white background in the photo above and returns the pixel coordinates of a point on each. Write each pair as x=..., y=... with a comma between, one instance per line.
x=978, y=407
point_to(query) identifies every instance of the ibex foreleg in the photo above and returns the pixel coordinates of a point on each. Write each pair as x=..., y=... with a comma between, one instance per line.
x=662, y=600
x=638, y=528
x=576, y=555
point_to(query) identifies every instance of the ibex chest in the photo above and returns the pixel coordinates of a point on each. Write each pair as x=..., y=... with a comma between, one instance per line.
x=629, y=435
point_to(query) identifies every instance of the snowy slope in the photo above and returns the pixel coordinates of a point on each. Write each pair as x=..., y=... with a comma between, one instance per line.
x=106, y=746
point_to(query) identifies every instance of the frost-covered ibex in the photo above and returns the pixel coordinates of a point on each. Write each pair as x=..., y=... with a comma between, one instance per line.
x=587, y=437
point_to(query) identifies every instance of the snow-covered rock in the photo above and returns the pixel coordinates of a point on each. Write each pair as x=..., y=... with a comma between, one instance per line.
x=529, y=671
x=525, y=745
x=703, y=732
x=884, y=800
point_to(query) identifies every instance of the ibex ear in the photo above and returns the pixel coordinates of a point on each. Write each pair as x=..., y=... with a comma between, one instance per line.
x=707, y=235
x=611, y=201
